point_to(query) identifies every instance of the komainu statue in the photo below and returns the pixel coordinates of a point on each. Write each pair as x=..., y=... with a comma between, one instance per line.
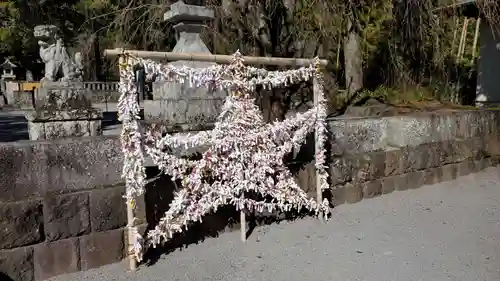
x=59, y=66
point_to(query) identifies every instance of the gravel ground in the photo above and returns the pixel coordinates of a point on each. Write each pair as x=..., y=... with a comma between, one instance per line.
x=447, y=231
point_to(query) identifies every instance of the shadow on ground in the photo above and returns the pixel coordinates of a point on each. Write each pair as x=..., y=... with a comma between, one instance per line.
x=5, y=277
x=13, y=128
x=160, y=193
x=110, y=120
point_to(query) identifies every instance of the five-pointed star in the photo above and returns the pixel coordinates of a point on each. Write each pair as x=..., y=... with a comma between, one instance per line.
x=244, y=158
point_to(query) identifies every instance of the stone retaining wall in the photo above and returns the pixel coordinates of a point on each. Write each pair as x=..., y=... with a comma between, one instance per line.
x=61, y=207
x=22, y=100
x=105, y=96
x=62, y=210
x=374, y=156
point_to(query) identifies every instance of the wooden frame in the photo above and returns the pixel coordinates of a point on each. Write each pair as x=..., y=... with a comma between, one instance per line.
x=222, y=59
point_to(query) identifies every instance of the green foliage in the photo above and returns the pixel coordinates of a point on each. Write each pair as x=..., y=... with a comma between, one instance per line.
x=398, y=96
x=374, y=21
x=405, y=44
x=15, y=36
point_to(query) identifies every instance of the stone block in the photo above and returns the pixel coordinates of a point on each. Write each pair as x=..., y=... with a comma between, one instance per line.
x=464, y=122
x=101, y=248
x=416, y=179
x=493, y=145
x=22, y=100
x=108, y=209
x=171, y=107
x=430, y=158
x=414, y=158
x=444, y=126
x=391, y=183
x=393, y=164
x=491, y=161
x=477, y=126
x=485, y=118
x=405, y=131
x=184, y=12
x=82, y=164
x=447, y=152
x=21, y=223
x=494, y=118
x=54, y=96
x=358, y=135
x=358, y=167
x=337, y=195
x=432, y=176
x=448, y=172
x=481, y=164
x=435, y=154
x=31, y=169
x=36, y=131
x=465, y=168
x=370, y=166
x=495, y=160
x=462, y=151
x=353, y=193
x=51, y=125
x=343, y=169
x=64, y=129
x=424, y=154
x=55, y=258
x=95, y=127
x=17, y=264
x=473, y=124
x=409, y=180
x=479, y=147
x=372, y=189
x=66, y=215
x=23, y=169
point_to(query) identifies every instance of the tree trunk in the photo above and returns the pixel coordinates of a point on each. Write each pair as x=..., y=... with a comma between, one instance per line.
x=353, y=60
x=92, y=63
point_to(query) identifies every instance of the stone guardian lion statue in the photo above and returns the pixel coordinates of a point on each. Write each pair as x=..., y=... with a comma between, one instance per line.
x=59, y=66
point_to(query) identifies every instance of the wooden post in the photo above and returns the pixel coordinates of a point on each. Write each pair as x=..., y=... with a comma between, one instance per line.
x=243, y=226
x=455, y=31
x=319, y=192
x=131, y=235
x=476, y=37
x=224, y=59
x=33, y=100
x=463, y=40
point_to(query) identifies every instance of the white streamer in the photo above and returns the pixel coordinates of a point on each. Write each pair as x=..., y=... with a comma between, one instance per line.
x=243, y=152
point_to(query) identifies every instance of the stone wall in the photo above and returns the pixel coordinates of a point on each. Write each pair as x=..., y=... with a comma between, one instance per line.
x=62, y=210
x=22, y=100
x=61, y=207
x=375, y=156
x=104, y=92
x=19, y=93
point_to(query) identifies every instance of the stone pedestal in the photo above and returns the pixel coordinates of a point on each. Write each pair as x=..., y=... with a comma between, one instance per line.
x=63, y=109
x=177, y=105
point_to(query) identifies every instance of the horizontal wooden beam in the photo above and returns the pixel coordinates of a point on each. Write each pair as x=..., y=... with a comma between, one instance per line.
x=224, y=59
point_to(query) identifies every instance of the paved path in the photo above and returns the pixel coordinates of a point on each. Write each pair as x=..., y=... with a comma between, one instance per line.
x=448, y=231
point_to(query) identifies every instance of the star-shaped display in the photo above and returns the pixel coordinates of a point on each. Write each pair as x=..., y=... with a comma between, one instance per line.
x=243, y=163
x=245, y=157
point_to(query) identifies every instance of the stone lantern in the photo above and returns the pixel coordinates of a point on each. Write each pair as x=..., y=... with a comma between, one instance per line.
x=176, y=105
x=8, y=70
